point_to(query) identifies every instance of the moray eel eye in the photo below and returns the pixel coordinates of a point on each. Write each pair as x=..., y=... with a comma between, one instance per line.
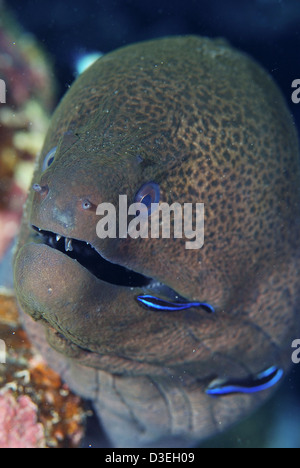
x=149, y=193
x=49, y=158
x=86, y=205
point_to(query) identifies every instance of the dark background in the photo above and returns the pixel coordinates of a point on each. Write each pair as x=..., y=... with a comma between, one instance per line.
x=269, y=30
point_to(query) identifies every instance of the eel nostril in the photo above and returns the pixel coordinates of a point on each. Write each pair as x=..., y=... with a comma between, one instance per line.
x=42, y=190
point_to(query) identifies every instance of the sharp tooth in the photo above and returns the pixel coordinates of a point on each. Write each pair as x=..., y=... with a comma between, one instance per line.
x=68, y=245
x=58, y=238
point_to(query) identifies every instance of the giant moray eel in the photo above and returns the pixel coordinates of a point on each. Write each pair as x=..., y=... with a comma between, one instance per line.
x=180, y=119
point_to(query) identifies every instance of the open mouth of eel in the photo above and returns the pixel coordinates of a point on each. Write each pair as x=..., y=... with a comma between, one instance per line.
x=113, y=273
x=89, y=258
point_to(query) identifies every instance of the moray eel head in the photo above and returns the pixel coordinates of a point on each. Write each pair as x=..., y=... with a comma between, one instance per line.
x=179, y=120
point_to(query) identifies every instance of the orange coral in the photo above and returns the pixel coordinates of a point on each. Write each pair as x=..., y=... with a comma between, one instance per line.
x=57, y=410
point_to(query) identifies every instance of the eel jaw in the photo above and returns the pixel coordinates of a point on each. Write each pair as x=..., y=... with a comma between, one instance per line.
x=113, y=273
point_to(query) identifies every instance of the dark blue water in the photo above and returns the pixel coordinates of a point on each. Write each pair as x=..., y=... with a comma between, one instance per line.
x=267, y=29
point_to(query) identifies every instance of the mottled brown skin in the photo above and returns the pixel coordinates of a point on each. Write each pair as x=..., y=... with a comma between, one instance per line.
x=210, y=126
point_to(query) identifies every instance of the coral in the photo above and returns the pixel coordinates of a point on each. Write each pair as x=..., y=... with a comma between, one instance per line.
x=18, y=423
x=36, y=408
x=32, y=395
x=30, y=97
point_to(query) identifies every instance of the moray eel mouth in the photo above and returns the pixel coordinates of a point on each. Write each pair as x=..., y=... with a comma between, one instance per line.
x=88, y=257
x=85, y=254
